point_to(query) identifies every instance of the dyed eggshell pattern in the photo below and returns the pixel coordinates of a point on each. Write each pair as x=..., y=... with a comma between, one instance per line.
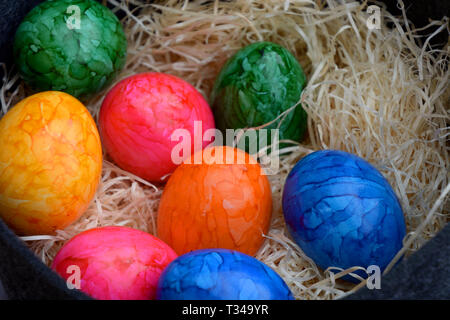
x=255, y=86
x=139, y=115
x=212, y=205
x=220, y=274
x=50, y=163
x=115, y=263
x=52, y=52
x=342, y=212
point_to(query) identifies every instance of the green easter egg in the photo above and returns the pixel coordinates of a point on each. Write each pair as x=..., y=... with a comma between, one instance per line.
x=75, y=46
x=255, y=86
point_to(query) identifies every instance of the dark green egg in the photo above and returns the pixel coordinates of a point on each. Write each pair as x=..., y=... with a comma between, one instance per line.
x=256, y=85
x=75, y=46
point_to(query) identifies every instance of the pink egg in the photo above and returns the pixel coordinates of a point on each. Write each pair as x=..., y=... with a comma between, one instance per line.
x=114, y=263
x=139, y=115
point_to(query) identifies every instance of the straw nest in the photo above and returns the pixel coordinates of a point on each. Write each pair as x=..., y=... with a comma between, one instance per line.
x=381, y=94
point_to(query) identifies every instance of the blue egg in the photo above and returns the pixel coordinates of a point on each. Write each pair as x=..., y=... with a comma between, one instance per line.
x=342, y=212
x=220, y=274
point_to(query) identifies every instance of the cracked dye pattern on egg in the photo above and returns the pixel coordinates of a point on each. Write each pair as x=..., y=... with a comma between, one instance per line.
x=255, y=86
x=50, y=163
x=216, y=203
x=139, y=115
x=52, y=53
x=342, y=212
x=115, y=263
x=220, y=274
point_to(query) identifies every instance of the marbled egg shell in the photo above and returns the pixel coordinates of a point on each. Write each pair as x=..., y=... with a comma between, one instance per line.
x=139, y=116
x=114, y=263
x=50, y=162
x=220, y=274
x=255, y=86
x=216, y=203
x=75, y=46
x=342, y=212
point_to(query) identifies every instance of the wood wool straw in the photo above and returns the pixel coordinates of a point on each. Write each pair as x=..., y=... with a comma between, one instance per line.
x=375, y=93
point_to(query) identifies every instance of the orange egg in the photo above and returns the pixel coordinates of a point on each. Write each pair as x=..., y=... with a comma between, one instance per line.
x=218, y=198
x=50, y=163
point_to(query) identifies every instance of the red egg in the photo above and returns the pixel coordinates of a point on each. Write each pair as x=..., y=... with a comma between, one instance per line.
x=114, y=263
x=139, y=115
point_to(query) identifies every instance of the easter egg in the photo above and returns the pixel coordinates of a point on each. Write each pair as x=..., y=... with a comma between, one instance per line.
x=73, y=46
x=342, y=212
x=114, y=263
x=219, y=198
x=255, y=86
x=220, y=274
x=50, y=163
x=141, y=113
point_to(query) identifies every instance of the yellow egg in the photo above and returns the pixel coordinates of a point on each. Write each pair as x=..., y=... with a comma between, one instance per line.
x=50, y=163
